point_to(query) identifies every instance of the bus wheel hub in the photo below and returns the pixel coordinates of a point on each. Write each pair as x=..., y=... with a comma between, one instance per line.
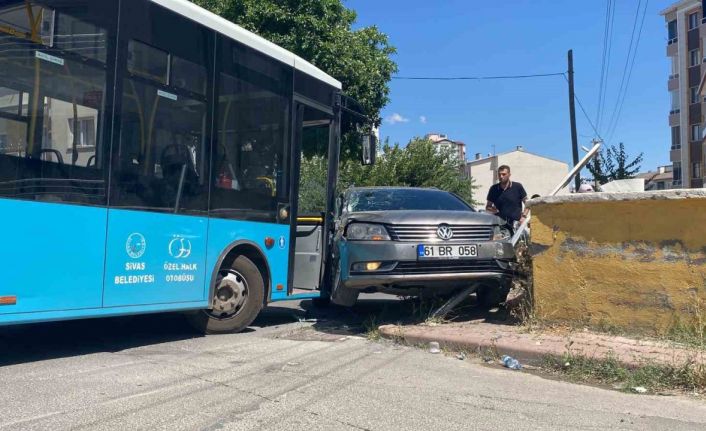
x=231, y=294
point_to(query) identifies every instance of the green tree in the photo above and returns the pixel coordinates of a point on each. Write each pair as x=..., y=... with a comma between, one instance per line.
x=614, y=164
x=418, y=164
x=320, y=31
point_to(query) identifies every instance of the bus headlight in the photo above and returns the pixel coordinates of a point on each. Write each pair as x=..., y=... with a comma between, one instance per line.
x=367, y=232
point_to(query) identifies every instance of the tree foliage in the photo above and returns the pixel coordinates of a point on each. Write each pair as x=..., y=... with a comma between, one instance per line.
x=418, y=164
x=614, y=164
x=320, y=31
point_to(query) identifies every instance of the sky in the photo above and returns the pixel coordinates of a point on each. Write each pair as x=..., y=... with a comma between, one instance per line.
x=452, y=38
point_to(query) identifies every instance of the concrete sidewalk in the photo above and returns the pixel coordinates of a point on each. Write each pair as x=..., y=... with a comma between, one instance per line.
x=534, y=347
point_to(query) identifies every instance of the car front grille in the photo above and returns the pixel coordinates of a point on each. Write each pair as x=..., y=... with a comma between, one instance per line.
x=420, y=233
x=449, y=267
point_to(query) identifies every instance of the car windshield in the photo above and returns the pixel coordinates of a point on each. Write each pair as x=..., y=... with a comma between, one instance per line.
x=404, y=199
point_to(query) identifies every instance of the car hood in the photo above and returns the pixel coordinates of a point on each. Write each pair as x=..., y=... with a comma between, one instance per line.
x=427, y=217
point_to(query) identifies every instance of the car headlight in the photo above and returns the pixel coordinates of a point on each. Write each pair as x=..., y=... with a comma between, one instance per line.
x=367, y=231
x=501, y=233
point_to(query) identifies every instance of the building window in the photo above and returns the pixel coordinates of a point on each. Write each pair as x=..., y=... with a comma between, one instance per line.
x=674, y=95
x=694, y=95
x=85, y=132
x=696, y=170
x=694, y=57
x=675, y=67
x=693, y=20
x=660, y=185
x=695, y=133
x=676, y=173
x=672, y=31
x=676, y=138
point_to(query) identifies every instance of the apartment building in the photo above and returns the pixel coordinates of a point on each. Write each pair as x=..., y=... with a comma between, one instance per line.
x=661, y=179
x=441, y=141
x=686, y=31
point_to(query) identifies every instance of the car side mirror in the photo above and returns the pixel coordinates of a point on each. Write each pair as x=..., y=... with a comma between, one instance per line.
x=369, y=142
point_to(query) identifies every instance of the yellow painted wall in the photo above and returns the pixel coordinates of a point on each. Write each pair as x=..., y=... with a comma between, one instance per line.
x=637, y=265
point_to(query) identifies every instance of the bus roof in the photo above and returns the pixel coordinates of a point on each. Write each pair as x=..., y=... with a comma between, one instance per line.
x=235, y=32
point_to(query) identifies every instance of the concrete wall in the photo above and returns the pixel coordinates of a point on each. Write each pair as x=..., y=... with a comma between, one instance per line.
x=635, y=261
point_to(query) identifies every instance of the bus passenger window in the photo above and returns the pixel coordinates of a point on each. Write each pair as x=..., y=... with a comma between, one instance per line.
x=162, y=162
x=250, y=159
x=52, y=104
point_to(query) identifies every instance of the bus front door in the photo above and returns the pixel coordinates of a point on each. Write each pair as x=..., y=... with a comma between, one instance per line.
x=315, y=135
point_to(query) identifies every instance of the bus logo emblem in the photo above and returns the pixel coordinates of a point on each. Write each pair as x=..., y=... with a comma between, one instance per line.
x=180, y=248
x=135, y=245
x=282, y=242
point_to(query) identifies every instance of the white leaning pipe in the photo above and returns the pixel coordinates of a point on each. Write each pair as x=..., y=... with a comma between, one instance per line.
x=567, y=179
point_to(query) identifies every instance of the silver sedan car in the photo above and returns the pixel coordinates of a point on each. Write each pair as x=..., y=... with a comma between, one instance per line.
x=417, y=242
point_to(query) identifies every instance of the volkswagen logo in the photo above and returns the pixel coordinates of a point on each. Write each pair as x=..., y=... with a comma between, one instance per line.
x=445, y=232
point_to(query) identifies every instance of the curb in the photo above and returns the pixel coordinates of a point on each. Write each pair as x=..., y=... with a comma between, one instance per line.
x=497, y=346
x=533, y=349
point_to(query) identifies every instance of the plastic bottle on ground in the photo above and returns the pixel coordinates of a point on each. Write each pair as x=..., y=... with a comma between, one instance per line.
x=510, y=362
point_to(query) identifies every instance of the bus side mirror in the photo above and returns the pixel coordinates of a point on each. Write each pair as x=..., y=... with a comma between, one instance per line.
x=369, y=149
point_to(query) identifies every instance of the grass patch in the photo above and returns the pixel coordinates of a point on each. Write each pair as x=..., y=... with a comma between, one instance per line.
x=372, y=328
x=690, y=327
x=689, y=377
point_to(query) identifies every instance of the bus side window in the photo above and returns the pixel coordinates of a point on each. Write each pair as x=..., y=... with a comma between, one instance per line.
x=251, y=154
x=162, y=160
x=52, y=102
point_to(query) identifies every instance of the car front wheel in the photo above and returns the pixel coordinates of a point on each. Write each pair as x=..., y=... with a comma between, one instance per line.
x=341, y=295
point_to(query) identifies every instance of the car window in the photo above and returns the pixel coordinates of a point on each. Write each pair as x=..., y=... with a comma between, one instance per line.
x=404, y=199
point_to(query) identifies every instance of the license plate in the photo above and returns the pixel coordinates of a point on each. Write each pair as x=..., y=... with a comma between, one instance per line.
x=447, y=251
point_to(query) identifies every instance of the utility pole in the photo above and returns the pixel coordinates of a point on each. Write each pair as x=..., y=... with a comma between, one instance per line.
x=572, y=118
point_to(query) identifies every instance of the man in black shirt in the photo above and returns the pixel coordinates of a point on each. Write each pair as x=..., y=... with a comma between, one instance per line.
x=505, y=198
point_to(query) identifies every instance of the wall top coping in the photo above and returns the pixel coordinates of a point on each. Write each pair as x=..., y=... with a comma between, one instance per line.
x=614, y=197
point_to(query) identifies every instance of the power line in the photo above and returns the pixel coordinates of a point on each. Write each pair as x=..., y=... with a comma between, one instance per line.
x=585, y=114
x=611, y=26
x=606, y=43
x=627, y=82
x=625, y=68
x=475, y=78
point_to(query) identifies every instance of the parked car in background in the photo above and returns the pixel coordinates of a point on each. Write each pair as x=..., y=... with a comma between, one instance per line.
x=418, y=242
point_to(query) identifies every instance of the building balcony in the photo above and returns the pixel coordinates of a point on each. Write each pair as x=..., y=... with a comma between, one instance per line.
x=675, y=155
x=673, y=83
x=672, y=48
x=674, y=118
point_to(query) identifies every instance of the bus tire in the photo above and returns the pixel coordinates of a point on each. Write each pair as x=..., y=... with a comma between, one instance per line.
x=238, y=298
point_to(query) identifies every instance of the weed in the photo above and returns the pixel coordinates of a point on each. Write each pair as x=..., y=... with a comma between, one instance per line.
x=690, y=327
x=609, y=370
x=372, y=329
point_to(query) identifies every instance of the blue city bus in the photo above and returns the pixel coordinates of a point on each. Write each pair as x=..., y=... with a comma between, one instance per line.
x=150, y=158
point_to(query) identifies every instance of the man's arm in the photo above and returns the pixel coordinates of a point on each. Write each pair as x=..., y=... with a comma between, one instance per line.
x=490, y=207
x=525, y=210
x=490, y=202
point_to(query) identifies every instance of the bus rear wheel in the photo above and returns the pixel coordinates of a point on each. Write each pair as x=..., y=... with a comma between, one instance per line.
x=238, y=298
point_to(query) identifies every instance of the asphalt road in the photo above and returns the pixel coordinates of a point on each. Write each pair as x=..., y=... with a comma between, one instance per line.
x=289, y=372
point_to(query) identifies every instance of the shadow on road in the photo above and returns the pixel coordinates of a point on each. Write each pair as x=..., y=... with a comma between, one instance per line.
x=43, y=341
x=368, y=314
